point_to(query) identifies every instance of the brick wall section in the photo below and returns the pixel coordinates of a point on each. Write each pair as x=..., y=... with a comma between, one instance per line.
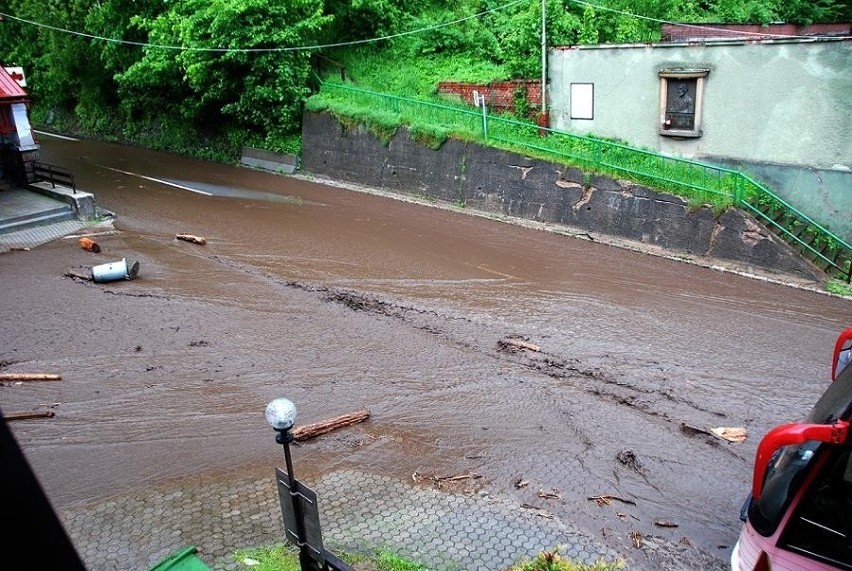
x=499, y=95
x=682, y=33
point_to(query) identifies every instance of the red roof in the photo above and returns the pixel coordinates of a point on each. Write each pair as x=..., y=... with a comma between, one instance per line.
x=9, y=88
x=682, y=32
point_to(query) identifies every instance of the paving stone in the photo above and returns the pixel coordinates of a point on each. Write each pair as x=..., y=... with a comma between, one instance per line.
x=446, y=532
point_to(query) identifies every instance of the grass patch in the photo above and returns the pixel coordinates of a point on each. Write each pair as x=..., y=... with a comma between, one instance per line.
x=278, y=558
x=432, y=120
x=430, y=136
x=386, y=561
x=412, y=76
x=286, y=558
x=838, y=287
x=553, y=561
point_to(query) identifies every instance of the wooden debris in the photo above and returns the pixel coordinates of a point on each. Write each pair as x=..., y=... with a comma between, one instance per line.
x=601, y=501
x=690, y=430
x=553, y=494
x=78, y=276
x=636, y=538
x=28, y=415
x=521, y=483
x=628, y=458
x=192, y=238
x=730, y=433
x=540, y=512
x=439, y=481
x=309, y=431
x=29, y=377
x=471, y=476
x=18, y=249
x=607, y=500
x=664, y=523
x=517, y=343
x=90, y=245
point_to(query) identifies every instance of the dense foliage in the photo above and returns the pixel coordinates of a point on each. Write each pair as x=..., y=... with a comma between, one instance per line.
x=195, y=76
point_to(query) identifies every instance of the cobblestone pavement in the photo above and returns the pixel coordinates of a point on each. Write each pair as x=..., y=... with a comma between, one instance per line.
x=444, y=531
x=33, y=237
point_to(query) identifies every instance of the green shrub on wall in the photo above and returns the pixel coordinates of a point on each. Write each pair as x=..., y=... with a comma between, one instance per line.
x=431, y=136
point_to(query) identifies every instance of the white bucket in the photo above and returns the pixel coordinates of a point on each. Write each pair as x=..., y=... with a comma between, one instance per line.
x=115, y=271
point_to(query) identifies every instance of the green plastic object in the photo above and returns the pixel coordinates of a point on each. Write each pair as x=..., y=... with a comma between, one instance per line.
x=183, y=559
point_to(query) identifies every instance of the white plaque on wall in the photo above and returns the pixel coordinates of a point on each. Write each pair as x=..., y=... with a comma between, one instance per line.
x=582, y=101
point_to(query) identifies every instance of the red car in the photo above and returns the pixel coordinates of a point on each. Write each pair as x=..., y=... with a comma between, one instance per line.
x=799, y=513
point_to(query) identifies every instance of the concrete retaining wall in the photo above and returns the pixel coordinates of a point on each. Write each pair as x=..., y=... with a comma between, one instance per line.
x=267, y=160
x=506, y=183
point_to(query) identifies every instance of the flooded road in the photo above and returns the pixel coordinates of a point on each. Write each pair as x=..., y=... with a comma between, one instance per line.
x=342, y=300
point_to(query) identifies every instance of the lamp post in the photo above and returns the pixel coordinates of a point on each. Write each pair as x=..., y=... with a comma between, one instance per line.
x=543, y=57
x=281, y=415
x=543, y=117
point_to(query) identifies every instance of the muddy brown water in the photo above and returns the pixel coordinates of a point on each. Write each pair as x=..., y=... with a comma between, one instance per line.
x=342, y=300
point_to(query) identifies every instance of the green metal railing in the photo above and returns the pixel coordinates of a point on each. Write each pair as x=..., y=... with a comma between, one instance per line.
x=701, y=182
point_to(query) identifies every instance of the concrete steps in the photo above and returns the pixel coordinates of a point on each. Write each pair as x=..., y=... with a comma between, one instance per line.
x=25, y=221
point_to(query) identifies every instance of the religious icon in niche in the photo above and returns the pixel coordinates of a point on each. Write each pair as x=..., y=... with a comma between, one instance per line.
x=680, y=104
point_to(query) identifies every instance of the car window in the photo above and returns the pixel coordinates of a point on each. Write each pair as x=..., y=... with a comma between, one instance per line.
x=821, y=527
x=784, y=475
x=836, y=402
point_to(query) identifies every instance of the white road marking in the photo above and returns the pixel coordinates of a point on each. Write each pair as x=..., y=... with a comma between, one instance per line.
x=55, y=135
x=161, y=181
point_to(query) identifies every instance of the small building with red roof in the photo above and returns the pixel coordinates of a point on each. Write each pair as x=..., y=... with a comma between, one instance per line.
x=18, y=148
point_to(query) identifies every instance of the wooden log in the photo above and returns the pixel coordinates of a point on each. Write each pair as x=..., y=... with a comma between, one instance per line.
x=192, y=238
x=519, y=344
x=78, y=276
x=309, y=431
x=90, y=245
x=607, y=499
x=29, y=377
x=28, y=415
x=691, y=430
x=471, y=476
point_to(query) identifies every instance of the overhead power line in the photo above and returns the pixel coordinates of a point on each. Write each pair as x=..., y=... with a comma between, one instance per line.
x=388, y=37
x=258, y=50
x=693, y=26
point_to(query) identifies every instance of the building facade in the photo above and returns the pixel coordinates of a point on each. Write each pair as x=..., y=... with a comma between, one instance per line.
x=18, y=149
x=780, y=109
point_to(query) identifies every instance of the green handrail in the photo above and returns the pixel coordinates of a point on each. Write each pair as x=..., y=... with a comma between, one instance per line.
x=709, y=182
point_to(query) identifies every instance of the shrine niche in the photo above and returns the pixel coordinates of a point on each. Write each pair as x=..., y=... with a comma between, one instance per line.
x=681, y=94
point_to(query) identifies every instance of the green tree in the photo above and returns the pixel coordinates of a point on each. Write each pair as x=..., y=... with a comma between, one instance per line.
x=518, y=32
x=257, y=92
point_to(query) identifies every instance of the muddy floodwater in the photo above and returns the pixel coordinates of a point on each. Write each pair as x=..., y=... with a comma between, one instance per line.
x=341, y=300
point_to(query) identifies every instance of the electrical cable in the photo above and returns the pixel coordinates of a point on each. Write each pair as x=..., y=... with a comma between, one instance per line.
x=401, y=34
x=259, y=50
x=696, y=26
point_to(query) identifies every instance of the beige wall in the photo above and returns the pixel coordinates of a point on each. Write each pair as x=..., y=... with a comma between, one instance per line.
x=777, y=103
